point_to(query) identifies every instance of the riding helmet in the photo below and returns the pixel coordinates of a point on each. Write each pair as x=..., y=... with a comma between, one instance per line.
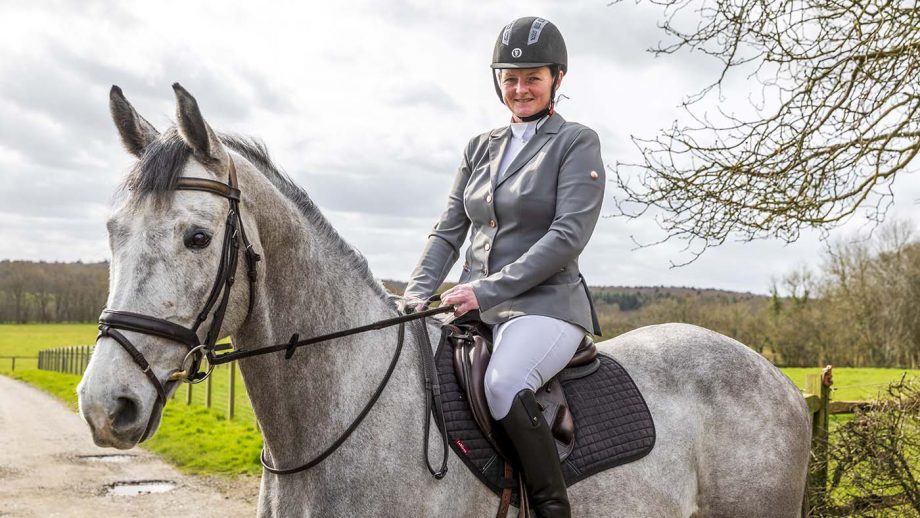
x=530, y=42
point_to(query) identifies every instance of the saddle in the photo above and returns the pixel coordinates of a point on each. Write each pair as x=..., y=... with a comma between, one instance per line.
x=471, y=341
x=596, y=412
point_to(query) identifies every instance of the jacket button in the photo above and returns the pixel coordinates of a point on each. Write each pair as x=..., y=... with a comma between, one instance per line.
x=487, y=247
x=492, y=223
x=488, y=198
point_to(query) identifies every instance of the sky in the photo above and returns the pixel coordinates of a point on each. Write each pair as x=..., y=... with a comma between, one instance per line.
x=367, y=104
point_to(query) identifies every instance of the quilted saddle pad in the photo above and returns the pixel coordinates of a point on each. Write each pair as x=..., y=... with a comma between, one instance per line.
x=613, y=425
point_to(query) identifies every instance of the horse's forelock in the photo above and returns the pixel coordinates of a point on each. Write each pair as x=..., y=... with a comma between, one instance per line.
x=161, y=165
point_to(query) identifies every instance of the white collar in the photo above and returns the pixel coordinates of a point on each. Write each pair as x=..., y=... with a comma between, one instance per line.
x=526, y=130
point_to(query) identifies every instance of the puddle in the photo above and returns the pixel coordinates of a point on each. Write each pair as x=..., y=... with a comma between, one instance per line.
x=140, y=487
x=114, y=457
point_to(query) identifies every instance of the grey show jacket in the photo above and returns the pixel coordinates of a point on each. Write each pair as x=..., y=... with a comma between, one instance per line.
x=528, y=228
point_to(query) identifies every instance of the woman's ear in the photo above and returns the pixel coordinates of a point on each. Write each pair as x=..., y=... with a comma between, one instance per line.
x=559, y=79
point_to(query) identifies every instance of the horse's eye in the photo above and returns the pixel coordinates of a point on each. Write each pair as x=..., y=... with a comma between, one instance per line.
x=197, y=239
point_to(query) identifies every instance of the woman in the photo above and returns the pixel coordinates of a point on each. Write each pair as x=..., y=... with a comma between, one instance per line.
x=532, y=194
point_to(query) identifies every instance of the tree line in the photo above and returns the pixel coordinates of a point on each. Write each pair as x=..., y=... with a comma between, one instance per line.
x=52, y=292
x=859, y=308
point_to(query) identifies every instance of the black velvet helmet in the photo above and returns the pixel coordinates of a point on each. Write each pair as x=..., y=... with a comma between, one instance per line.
x=530, y=42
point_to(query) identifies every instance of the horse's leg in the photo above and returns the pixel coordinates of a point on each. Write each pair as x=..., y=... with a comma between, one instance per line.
x=751, y=447
x=763, y=473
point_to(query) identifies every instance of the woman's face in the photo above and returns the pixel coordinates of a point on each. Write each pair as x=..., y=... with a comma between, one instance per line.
x=526, y=91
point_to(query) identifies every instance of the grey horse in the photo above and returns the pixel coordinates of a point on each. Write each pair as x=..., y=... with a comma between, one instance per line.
x=733, y=432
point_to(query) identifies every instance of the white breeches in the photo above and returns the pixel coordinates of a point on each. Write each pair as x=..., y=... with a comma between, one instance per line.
x=527, y=352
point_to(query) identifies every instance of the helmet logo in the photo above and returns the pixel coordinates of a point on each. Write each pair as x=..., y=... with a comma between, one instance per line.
x=535, y=29
x=516, y=53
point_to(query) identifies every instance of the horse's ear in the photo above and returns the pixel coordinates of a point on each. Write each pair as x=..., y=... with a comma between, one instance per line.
x=136, y=133
x=194, y=130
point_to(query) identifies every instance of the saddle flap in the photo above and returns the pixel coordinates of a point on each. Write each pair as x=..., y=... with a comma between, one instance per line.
x=555, y=409
x=471, y=358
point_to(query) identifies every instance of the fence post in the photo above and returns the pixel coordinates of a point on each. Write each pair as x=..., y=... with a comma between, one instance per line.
x=14, y=364
x=188, y=394
x=207, y=398
x=232, y=390
x=819, y=385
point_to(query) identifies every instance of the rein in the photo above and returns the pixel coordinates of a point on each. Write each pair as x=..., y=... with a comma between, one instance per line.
x=112, y=322
x=432, y=389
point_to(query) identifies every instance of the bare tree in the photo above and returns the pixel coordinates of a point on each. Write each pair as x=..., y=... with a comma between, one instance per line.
x=837, y=119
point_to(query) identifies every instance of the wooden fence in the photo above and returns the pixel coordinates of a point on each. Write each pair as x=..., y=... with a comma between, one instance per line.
x=20, y=361
x=222, y=390
x=818, y=397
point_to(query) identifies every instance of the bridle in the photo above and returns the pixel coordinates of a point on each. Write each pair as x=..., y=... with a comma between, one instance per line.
x=112, y=322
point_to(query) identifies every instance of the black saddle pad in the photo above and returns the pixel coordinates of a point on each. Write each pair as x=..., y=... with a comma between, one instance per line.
x=613, y=425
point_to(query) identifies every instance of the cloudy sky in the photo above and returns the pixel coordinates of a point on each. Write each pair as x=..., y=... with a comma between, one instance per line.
x=367, y=104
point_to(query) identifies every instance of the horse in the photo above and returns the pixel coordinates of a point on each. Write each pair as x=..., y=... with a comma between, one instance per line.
x=733, y=432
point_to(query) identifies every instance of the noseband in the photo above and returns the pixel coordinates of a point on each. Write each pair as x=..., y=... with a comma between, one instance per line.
x=112, y=322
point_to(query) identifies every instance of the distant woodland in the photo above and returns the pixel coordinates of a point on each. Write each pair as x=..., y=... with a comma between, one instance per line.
x=860, y=308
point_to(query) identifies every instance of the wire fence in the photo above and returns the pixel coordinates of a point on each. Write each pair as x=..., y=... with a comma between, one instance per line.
x=222, y=392
x=11, y=363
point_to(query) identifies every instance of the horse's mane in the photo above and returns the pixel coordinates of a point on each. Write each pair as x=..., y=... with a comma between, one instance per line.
x=158, y=169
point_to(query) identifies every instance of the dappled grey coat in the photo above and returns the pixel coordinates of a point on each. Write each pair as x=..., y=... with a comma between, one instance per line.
x=528, y=228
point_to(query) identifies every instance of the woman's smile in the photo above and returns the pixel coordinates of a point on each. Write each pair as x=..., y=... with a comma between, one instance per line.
x=527, y=91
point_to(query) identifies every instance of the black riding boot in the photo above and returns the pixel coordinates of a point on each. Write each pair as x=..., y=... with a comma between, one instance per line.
x=536, y=451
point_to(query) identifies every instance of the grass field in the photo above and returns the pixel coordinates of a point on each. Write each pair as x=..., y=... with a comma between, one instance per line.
x=28, y=339
x=851, y=384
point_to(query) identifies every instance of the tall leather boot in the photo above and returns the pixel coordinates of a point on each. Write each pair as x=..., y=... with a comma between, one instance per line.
x=536, y=451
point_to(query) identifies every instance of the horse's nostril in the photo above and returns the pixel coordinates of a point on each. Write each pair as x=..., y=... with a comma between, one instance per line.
x=125, y=413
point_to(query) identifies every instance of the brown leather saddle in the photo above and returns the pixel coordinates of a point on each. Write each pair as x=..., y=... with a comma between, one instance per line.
x=472, y=348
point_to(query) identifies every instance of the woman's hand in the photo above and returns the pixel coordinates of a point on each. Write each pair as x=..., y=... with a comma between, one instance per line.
x=461, y=296
x=412, y=303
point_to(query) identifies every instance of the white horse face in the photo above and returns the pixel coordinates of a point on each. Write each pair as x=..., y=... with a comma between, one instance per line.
x=166, y=252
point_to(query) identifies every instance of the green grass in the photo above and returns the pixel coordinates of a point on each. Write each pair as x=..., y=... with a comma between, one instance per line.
x=853, y=384
x=195, y=439
x=28, y=339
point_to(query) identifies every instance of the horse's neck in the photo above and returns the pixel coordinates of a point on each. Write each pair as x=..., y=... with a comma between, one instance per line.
x=310, y=287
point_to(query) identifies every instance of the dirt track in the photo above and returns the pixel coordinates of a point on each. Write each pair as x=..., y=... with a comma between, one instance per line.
x=45, y=469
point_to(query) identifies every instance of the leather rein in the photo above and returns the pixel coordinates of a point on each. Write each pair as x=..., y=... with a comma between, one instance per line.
x=112, y=322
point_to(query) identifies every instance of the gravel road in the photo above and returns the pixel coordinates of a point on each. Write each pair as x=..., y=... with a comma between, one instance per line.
x=49, y=466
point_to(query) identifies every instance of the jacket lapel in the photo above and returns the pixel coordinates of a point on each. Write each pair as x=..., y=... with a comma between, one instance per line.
x=544, y=135
x=497, y=143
